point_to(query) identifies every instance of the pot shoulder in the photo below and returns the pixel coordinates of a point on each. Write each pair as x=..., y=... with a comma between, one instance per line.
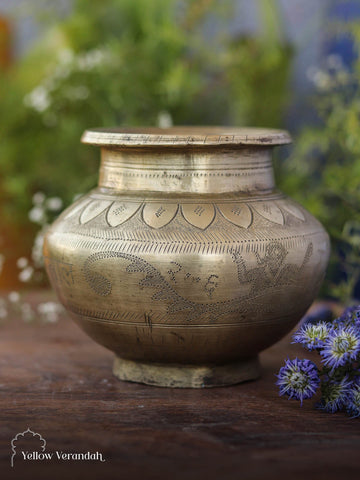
x=201, y=233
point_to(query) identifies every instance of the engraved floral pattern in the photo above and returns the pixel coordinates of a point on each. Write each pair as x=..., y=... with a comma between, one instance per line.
x=200, y=215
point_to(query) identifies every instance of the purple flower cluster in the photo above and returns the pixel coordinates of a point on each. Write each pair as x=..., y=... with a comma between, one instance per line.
x=338, y=343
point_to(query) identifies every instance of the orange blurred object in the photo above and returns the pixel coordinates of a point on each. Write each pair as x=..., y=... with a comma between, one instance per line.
x=5, y=43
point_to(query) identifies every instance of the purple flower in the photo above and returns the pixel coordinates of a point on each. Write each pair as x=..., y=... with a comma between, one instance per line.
x=349, y=317
x=357, y=318
x=299, y=379
x=335, y=394
x=353, y=401
x=348, y=312
x=312, y=336
x=341, y=346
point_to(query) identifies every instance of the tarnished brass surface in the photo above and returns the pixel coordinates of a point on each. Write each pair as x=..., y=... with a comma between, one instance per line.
x=186, y=376
x=186, y=254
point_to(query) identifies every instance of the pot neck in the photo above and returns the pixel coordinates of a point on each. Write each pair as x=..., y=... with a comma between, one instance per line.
x=191, y=170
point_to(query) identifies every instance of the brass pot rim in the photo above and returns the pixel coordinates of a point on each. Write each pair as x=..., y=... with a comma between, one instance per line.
x=185, y=136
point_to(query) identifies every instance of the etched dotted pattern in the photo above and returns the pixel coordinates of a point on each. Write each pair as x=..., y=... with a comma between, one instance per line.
x=272, y=270
x=199, y=215
x=187, y=174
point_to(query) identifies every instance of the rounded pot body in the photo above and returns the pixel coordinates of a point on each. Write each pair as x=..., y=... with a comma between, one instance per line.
x=186, y=257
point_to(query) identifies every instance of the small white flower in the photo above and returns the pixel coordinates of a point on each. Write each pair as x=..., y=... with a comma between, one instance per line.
x=165, y=120
x=49, y=307
x=50, y=311
x=38, y=198
x=37, y=214
x=38, y=99
x=65, y=56
x=14, y=297
x=92, y=59
x=322, y=80
x=22, y=262
x=26, y=274
x=54, y=204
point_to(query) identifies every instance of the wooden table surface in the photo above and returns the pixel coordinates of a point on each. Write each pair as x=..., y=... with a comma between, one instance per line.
x=58, y=382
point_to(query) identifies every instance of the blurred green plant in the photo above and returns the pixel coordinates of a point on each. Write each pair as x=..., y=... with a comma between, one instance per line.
x=257, y=71
x=323, y=172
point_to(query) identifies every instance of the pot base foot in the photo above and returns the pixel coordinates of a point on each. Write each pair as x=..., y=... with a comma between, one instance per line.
x=176, y=375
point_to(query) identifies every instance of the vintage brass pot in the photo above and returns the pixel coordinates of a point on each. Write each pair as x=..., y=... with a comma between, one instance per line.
x=186, y=261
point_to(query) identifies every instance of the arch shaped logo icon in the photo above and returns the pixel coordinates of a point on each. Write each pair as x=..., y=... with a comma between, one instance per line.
x=22, y=434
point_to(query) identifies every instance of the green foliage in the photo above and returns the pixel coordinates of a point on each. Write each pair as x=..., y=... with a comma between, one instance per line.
x=123, y=62
x=324, y=170
x=257, y=72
